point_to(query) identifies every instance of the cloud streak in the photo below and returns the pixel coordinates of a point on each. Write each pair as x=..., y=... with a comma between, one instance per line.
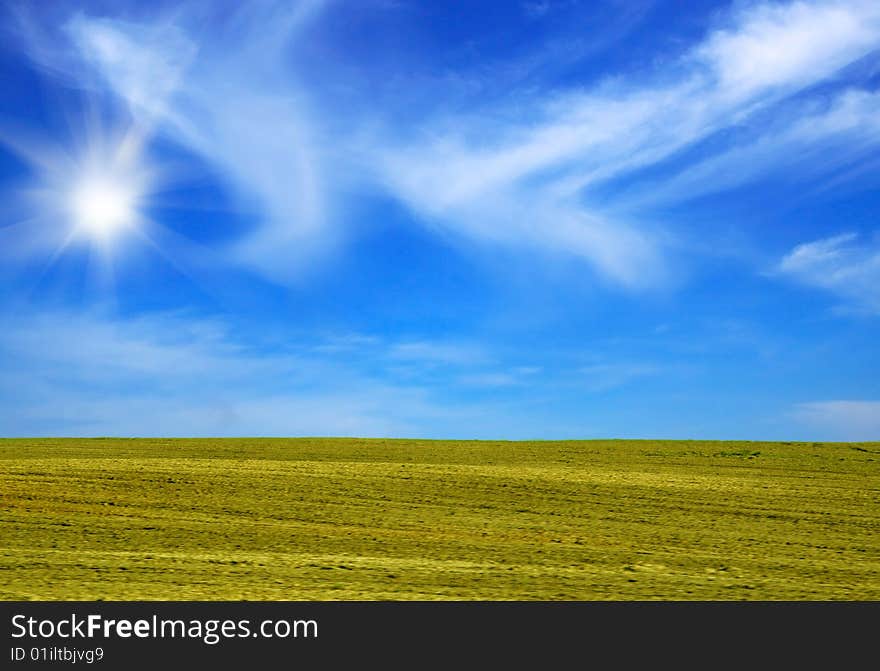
x=529, y=180
x=842, y=265
x=534, y=170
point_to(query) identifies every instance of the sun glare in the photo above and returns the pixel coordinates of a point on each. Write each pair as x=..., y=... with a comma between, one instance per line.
x=103, y=206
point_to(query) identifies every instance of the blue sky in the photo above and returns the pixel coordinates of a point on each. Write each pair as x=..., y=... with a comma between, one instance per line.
x=513, y=220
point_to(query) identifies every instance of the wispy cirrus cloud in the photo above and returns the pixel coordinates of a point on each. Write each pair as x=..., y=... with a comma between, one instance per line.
x=528, y=178
x=788, y=45
x=843, y=265
x=239, y=108
x=229, y=99
x=519, y=170
x=813, y=140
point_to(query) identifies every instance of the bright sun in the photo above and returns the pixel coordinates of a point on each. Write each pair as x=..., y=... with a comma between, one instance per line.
x=95, y=194
x=103, y=206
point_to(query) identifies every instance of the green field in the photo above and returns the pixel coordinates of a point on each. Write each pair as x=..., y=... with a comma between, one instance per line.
x=343, y=519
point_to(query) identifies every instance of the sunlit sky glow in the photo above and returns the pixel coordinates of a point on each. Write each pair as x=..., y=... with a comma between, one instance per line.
x=102, y=205
x=536, y=219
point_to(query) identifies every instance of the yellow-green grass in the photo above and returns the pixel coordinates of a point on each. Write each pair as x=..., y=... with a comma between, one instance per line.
x=343, y=519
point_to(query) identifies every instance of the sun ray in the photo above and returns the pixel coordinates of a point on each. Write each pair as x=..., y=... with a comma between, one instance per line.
x=92, y=192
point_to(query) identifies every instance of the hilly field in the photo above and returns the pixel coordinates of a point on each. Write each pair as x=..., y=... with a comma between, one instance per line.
x=350, y=519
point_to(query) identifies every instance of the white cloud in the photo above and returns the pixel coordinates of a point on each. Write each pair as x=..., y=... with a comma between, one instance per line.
x=840, y=264
x=517, y=171
x=813, y=142
x=843, y=420
x=234, y=103
x=790, y=45
x=144, y=65
x=522, y=179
